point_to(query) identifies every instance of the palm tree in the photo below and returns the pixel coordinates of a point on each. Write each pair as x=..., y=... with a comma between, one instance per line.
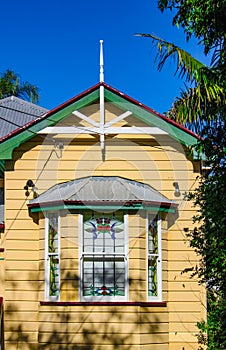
x=203, y=96
x=10, y=85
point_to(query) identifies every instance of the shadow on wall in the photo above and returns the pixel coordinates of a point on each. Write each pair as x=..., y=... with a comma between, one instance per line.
x=76, y=327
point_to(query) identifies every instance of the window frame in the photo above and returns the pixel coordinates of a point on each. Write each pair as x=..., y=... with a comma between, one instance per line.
x=158, y=297
x=100, y=299
x=49, y=297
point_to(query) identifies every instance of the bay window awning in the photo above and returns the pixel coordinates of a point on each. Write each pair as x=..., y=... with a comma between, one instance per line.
x=110, y=192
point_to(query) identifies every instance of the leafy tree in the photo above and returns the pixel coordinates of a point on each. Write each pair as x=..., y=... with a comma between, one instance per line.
x=203, y=19
x=10, y=84
x=208, y=237
x=202, y=107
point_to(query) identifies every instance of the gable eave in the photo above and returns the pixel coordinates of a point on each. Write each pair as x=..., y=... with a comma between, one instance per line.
x=143, y=112
x=9, y=142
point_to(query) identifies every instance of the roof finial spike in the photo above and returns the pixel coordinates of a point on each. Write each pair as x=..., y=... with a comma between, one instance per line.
x=101, y=62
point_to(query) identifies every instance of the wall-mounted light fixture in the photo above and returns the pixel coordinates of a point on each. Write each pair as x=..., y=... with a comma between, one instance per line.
x=60, y=146
x=177, y=190
x=30, y=185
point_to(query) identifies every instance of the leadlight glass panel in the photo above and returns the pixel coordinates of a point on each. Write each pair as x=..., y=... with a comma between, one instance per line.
x=53, y=256
x=153, y=257
x=103, y=256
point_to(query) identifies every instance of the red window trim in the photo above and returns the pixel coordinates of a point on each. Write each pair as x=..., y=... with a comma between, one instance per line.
x=104, y=303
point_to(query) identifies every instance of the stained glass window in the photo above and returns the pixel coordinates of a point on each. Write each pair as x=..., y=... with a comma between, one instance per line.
x=154, y=257
x=53, y=260
x=103, y=255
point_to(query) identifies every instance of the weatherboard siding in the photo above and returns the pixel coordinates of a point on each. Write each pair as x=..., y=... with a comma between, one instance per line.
x=158, y=164
x=101, y=326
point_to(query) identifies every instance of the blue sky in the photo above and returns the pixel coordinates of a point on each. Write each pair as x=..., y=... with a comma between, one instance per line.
x=55, y=45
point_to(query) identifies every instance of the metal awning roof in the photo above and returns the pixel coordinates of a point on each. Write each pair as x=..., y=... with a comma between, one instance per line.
x=101, y=191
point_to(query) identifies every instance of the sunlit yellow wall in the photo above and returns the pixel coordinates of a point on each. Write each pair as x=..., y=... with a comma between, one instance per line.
x=158, y=162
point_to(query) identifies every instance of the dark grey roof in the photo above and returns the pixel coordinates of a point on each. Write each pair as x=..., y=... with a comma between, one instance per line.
x=101, y=189
x=15, y=112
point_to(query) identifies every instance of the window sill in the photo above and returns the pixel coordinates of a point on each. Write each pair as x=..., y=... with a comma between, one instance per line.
x=104, y=303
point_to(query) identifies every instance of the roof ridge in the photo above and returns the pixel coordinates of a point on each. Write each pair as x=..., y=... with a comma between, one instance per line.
x=120, y=179
x=21, y=101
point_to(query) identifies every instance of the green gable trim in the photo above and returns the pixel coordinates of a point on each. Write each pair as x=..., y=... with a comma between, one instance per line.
x=2, y=168
x=118, y=99
x=151, y=119
x=7, y=146
x=99, y=207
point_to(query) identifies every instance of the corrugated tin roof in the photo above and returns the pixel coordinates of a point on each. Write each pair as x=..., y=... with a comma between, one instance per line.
x=15, y=113
x=99, y=190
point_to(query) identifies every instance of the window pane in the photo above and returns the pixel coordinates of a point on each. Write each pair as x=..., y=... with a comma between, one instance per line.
x=104, y=275
x=103, y=234
x=153, y=237
x=154, y=256
x=152, y=276
x=53, y=256
x=54, y=280
x=120, y=277
x=53, y=234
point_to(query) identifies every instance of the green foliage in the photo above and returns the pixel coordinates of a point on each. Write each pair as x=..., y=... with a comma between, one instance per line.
x=186, y=66
x=215, y=326
x=204, y=19
x=201, y=107
x=10, y=85
x=205, y=86
x=208, y=238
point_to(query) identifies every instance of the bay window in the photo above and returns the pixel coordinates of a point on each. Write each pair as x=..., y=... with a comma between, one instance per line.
x=103, y=256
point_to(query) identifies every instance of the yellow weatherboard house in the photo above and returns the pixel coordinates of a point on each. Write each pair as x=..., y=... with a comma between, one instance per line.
x=93, y=243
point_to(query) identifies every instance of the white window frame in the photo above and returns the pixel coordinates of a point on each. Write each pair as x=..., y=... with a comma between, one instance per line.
x=48, y=297
x=99, y=298
x=158, y=297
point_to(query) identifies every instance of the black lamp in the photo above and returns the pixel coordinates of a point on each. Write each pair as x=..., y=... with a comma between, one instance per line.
x=30, y=184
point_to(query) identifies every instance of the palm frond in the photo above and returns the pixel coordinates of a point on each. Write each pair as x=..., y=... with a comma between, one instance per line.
x=187, y=66
x=10, y=84
x=29, y=92
x=203, y=97
x=196, y=104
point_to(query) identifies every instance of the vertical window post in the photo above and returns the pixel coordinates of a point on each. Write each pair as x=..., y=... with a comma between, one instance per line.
x=52, y=257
